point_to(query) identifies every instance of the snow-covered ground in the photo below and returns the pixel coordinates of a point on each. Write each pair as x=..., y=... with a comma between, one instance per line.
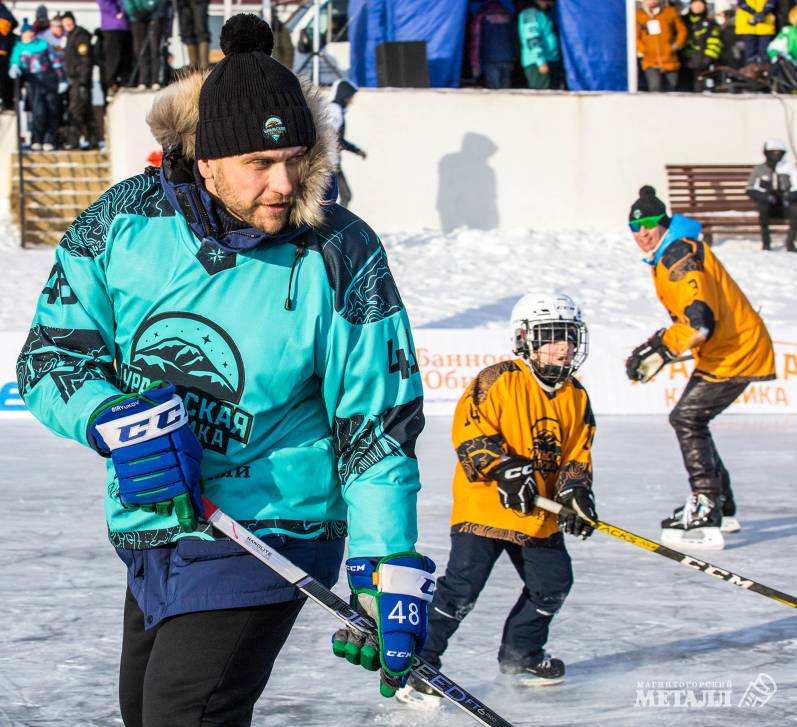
x=470, y=278
x=633, y=620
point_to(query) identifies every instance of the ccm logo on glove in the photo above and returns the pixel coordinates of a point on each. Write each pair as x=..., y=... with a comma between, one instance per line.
x=133, y=429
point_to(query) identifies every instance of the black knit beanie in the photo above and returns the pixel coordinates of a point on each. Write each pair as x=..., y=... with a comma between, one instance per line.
x=250, y=102
x=648, y=205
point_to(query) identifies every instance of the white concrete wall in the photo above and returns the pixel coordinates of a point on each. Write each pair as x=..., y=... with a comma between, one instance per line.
x=438, y=158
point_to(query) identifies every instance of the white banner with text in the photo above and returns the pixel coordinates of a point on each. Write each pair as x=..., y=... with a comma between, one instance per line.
x=449, y=359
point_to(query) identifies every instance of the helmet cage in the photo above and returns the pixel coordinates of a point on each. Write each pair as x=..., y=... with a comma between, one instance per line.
x=531, y=336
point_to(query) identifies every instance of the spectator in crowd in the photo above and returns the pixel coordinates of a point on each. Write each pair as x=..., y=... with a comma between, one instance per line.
x=8, y=23
x=41, y=20
x=660, y=34
x=116, y=45
x=539, y=46
x=492, y=44
x=146, y=21
x=782, y=8
x=55, y=35
x=755, y=24
x=283, y=45
x=192, y=16
x=703, y=42
x=732, y=54
x=78, y=63
x=341, y=97
x=785, y=44
x=34, y=62
x=773, y=187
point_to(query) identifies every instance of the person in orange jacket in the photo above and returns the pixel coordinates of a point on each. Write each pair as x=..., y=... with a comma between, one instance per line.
x=523, y=427
x=660, y=34
x=731, y=347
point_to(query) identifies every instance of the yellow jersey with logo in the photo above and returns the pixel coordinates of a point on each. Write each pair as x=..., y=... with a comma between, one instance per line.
x=505, y=411
x=704, y=300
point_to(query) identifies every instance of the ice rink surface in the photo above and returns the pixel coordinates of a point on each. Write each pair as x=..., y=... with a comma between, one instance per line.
x=638, y=630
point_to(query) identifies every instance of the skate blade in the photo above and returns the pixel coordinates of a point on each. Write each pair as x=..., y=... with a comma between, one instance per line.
x=528, y=680
x=704, y=538
x=413, y=698
x=730, y=524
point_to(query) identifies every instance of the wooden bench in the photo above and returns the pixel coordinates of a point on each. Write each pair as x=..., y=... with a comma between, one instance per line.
x=715, y=195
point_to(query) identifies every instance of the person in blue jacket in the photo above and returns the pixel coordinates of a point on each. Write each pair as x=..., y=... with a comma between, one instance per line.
x=39, y=68
x=220, y=327
x=539, y=45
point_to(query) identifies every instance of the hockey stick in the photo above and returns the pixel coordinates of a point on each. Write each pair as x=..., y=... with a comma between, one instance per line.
x=687, y=560
x=339, y=608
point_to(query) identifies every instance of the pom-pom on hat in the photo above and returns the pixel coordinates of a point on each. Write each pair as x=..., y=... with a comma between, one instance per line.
x=648, y=205
x=250, y=102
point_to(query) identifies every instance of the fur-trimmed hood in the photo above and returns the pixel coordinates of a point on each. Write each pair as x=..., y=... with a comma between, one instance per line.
x=173, y=120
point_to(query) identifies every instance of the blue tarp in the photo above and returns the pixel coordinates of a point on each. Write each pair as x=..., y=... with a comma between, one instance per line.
x=593, y=36
x=441, y=23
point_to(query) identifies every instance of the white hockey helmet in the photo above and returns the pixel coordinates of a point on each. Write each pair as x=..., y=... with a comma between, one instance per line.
x=774, y=144
x=540, y=318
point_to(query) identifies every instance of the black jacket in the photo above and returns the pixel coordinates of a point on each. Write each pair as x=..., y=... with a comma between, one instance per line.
x=78, y=57
x=7, y=24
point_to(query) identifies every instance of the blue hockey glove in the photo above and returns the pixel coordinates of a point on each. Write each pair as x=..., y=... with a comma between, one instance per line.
x=14, y=72
x=395, y=592
x=156, y=455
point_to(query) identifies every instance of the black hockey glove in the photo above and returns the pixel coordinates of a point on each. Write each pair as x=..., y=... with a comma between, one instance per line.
x=579, y=500
x=648, y=359
x=515, y=478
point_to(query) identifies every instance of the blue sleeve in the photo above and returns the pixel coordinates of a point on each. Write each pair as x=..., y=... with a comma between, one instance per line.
x=374, y=400
x=66, y=368
x=550, y=40
x=16, y=54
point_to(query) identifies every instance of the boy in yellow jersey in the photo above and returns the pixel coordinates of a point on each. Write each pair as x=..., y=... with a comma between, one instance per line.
x=731, y=347
x=523, y=427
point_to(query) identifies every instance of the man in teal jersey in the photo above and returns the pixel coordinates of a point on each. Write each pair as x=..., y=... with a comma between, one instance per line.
x=221, y=327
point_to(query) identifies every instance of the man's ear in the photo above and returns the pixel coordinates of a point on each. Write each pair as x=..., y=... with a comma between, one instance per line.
x=204, y=168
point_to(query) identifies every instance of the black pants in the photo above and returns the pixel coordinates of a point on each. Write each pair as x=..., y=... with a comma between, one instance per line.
x=6, y=84
x=146, y=50
x=45, y=107
x=768, y=211
x=192, y=16
x=702, y=401
x=547, y=577
x=117, y=50
x=81, y=116
x=203, y=669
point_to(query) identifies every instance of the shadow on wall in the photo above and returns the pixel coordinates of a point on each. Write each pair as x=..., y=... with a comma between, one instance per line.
x=466, y=195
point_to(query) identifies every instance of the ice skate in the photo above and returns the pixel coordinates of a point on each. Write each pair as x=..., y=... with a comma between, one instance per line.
x=695, y=525
x=547, y=671
x=419, y=694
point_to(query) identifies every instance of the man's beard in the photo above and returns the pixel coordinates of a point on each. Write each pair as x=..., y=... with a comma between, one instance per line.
x=257, y=214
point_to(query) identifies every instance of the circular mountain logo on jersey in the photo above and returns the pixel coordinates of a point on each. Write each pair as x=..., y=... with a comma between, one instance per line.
x=203, y=362
x=275, y=128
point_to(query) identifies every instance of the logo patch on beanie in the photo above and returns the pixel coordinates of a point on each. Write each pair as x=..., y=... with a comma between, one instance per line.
x=274, y=127
x=637, y=214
